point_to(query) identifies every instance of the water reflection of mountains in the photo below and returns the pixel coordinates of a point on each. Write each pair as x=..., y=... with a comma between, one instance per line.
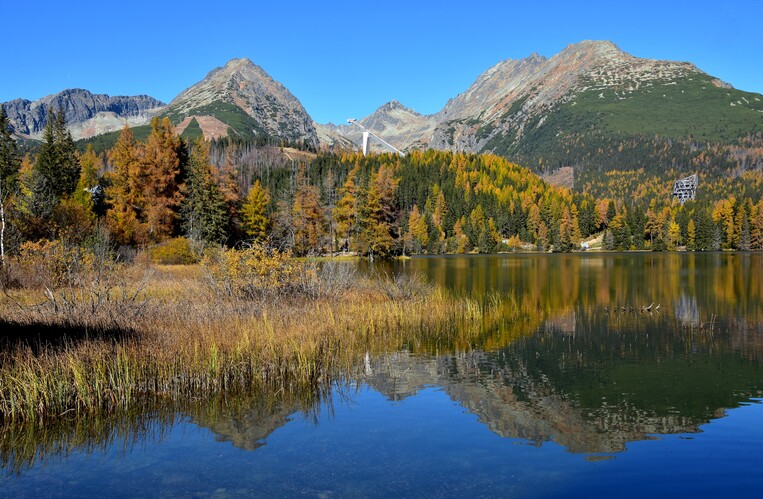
x=585, y=384
x=588, y=379
x=573, y=359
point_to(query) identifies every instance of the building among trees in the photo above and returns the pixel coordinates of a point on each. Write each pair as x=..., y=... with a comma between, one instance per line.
x=685, y=188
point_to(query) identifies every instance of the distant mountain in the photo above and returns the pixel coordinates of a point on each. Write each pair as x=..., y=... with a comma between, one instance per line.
x=575, y=108
x=86, y=113
x=591, y=105
x=399, y=125
x=240, y=98
x=594, y=92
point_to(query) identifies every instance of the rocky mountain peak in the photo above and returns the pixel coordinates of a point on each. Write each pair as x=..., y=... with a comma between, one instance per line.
x=599, y=48
x=239, y=62
x=239, y=68
x=395, y=105
x=247, y=86
x=397, y=123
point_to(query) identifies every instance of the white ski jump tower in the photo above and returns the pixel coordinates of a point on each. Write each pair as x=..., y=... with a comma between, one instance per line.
x=367, y=133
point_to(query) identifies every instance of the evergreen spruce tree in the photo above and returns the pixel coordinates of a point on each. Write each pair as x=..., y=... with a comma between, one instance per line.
x=609, y=240
x=57, y=160
x=203, y=210
x=745, y=234
x=756, y=230
x=10, y=163
x=42, y=204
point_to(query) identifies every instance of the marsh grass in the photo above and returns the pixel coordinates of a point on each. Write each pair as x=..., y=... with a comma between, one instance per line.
x=176, y=334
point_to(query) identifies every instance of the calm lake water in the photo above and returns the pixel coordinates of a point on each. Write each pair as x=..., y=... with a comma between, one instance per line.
x=580, y=389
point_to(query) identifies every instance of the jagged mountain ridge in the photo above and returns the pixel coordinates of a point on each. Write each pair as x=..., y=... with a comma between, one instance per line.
x=586, y=66
x=86, y=113
x=492, y=88
x=536, y=108
x=239, y=98
x=527, y=109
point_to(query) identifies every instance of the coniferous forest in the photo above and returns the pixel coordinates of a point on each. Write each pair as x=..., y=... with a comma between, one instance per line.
x=145, y=193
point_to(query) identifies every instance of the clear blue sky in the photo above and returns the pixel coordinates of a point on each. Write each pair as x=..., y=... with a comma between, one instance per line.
x=344, y=59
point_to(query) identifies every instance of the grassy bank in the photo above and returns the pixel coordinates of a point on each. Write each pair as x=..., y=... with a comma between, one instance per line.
x=108, y=341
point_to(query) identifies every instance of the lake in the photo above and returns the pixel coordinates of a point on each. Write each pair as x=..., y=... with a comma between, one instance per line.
x=625, y=375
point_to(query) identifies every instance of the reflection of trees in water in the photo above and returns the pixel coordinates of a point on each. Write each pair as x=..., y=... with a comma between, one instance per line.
x=244, y=419
x=246, y=422
x=22, y=446
x=591, y=391
x=687, y=310
x=723, y=285
x=586, y=361
x=566, y=355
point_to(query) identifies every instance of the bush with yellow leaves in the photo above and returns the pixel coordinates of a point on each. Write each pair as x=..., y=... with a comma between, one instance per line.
x=256, y=273
x=51, y=264
x=176, y=251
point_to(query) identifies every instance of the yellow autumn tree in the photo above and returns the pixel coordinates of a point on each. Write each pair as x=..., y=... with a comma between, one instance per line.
x=124, y=194
x=161, y=166
x=460, y=239
x=674, y=236
x=254, y=212
x=308, y=217
x=378, y=215
x=691, y=235
x=90, y=168
x=345, y=212
x=417, y=236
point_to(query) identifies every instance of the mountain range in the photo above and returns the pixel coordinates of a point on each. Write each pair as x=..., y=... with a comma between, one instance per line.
x=86, y=113
x=590, y=97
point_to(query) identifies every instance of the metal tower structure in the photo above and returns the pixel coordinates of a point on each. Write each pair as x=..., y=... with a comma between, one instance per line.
x=367, y=133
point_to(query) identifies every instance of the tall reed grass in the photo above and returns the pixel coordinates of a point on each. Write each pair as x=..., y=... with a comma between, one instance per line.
x=234, y=324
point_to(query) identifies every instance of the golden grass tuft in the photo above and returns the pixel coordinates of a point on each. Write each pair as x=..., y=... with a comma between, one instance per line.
x=177, y=334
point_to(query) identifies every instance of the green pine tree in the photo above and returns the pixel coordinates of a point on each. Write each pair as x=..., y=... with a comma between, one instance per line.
x=57, y=160
x=10, y=163
x=203, y=210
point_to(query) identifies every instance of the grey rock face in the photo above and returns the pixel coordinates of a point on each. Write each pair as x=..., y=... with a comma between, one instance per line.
x=29, y=118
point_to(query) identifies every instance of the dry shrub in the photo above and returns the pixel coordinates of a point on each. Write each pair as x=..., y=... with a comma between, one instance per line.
x=259, y=273
x=255, y=273
x=405, y=287
x=50, y=264
x=327, y=280
x=85, y=287
x=184, y=343
x=177, y=251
